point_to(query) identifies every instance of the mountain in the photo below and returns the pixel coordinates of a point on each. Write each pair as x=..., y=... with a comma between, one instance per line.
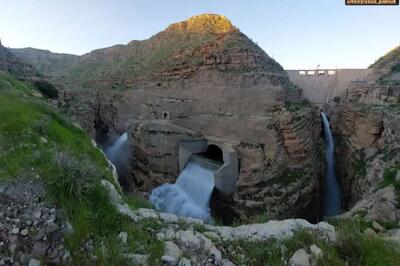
x=9, y=63
x=204, y=42
x=46, y=62
x=387, y=68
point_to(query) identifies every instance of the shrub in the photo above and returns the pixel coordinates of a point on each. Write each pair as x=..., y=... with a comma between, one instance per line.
x=73, y=177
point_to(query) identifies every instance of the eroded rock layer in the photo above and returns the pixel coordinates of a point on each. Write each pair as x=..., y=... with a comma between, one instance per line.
x=367, y=129
x=203, y=79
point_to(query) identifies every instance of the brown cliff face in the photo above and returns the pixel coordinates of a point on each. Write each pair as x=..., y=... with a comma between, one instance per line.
x=202, y=43
x=366, y=126
x=204, y=79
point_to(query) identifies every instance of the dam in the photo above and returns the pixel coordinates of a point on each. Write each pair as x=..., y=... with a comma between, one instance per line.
x=324, y=85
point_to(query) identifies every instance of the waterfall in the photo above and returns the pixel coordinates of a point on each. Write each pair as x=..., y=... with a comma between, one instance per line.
x=118, y=154
x=331, y=189
x=190, y=195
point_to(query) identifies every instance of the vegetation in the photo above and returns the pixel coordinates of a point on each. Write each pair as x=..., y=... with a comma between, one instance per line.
x=389, y=178
x=288, y=176
x=37, y=141
x=296, y=106
x=353, y=247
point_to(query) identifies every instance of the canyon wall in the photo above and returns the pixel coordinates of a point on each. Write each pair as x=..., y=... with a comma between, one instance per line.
x=204, y=79
x=366, y=127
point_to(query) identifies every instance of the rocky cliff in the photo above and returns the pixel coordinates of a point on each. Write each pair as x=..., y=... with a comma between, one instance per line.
x=366, y=126
x=386, y=70
x=46, y=62
x=10, y=63
x=203, y=79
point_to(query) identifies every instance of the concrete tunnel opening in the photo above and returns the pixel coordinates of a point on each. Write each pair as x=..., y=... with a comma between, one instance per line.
x=221, y=200
x=214, y=153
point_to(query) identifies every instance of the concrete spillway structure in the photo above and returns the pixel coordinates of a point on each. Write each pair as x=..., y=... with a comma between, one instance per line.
x=226, y=176
x=323, y=85
x=204, y=165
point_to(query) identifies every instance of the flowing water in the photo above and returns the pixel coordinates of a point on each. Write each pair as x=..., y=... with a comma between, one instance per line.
x=118, y=154
x=331, y=190
x=190, y=195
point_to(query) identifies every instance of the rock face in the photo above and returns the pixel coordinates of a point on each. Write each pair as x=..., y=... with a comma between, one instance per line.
x=366, y=126
x=277, y=148
x=46, y=62
x=9, y=63
x=203, y=79
x=386, y=70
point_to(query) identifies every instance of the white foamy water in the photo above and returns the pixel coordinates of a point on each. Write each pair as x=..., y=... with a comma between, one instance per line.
x=331, y=192
x=190, y=195
x=113, y=152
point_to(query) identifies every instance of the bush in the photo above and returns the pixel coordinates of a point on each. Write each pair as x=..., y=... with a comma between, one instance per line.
x=46, y=88
x=74, y=178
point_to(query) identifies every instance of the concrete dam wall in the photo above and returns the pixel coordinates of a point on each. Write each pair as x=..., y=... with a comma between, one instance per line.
x=322, y=85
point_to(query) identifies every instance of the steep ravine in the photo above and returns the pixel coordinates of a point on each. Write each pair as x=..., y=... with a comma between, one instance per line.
x=367, y=155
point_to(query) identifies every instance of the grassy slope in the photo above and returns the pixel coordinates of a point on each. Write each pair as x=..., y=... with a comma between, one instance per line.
x=71, y=169
x=387, y=65
x=351, y=248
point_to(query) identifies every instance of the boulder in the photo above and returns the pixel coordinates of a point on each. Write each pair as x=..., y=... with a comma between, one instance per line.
x=300, y=258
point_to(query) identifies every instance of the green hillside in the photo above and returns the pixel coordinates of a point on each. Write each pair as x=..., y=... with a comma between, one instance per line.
x=37, y=142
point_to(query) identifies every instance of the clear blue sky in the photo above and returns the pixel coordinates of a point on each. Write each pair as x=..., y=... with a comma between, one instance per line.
x=297, y=33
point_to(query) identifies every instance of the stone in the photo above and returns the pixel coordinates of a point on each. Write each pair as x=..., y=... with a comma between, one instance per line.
x=169, y=234
x=369, y=232
x=25, y=232
x=227, y=263
x=34, y=262
x=184, y=262
x=398, y=176
x=138, y=259
x=274, y=229
x=40, y=234
x=68, y=229
x=168, y=260
x=51, y=227
x=43, y=140
x=12, y=247
x=147, y=213
x=377, y=227
x=300, y=258
x=393, y=235
x=160, y=236
x=169, y=218
x=316, y=251
x=15, y=230
x=188, y=238
x=37, y=214
x=370, y=152
x=25, y=258
x=39, y=248
x=212, y=235
x=123, y=236
x=172, y=250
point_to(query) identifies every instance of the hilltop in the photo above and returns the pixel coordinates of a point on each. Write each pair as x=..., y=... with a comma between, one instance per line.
x=45, y=61
x=9, y=63
x=387, y=68
x=204, y=42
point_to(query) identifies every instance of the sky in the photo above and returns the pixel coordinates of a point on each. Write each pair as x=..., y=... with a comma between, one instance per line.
x=299, y=34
